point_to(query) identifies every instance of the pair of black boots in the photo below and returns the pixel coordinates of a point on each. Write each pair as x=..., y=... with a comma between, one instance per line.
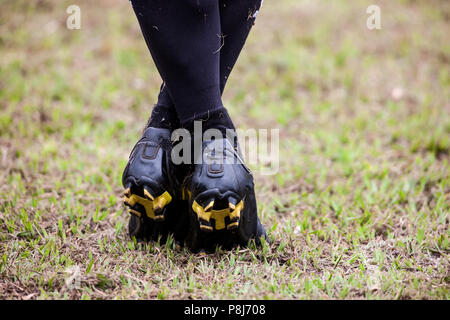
x=204, y=204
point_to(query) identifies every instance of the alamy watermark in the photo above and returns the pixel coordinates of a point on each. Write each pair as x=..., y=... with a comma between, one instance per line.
x=73, y=278
x=74, y=19
x=374, y=20
x=256, y=147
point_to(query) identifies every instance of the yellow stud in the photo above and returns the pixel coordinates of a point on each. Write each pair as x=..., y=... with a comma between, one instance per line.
x=206, y=228
x=200, y=211
x=232, y=225
x=236, y=213
x=147, y=204
x=136, y=213
x=148, y=195
x=209, y=206
x=161, y=201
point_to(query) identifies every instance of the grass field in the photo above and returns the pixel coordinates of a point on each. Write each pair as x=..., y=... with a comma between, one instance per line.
x=359, y=208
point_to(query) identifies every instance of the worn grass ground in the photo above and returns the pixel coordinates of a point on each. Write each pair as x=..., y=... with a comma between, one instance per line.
x=358, y=210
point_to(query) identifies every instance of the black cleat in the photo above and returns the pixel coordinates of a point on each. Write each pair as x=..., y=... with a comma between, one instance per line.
x=150, y=188
x=222, y=200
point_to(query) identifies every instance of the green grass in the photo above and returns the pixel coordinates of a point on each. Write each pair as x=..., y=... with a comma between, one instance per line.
x=358, y=210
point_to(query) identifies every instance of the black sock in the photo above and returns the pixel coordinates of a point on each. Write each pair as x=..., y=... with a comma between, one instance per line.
x=164, y=114
x=214, y=119
x=163, y=117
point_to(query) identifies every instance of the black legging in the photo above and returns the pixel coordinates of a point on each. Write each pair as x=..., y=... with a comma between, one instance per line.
x=195, y=44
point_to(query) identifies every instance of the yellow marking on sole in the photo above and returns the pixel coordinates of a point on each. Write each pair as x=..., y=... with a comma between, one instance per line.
x=161, y=201
x=218, y=215
x=200, y=211
x=209, y=206
x=185, y=194
x=206, y=228
x=137, y=213
x=147, y=204
x=236, y=213
x=234, y=224
x=147, y=194
x=127, y=192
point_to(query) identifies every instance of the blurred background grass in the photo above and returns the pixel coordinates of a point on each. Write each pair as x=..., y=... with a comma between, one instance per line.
x=364, y=149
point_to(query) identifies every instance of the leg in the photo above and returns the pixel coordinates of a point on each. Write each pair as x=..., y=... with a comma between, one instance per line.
x=183, y=37
x=220, y=195
x=236, y=19
x=164, y=114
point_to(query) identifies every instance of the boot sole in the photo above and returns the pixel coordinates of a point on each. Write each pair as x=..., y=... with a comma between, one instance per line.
x=141, y=202
x=216, y=219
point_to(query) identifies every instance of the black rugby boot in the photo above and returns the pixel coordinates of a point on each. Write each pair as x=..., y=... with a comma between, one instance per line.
x=151, y=188
x=222, y=201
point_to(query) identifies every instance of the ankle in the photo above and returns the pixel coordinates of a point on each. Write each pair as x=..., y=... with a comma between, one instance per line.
x=163, y=117
x=214, y=119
